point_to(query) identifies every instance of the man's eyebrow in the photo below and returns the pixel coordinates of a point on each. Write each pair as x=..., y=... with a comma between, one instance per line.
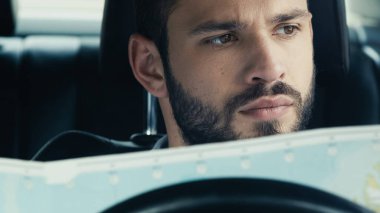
x=212, y=26
x=294, y=14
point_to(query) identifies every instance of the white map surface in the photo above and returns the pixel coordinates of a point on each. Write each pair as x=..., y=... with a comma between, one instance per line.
x=342, y=161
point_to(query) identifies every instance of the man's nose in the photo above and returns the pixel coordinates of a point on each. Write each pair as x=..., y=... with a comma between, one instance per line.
x=266, y=63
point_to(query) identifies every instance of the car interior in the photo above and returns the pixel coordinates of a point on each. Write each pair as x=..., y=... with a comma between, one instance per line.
x=54, y=83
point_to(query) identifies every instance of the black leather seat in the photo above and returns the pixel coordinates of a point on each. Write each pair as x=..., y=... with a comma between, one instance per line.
x=10, y=57
x=118, y=102
x=346, y=93
x=358, y=100
x=51, y=84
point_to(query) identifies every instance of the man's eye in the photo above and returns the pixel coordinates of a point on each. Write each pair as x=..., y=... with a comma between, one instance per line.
x=287, y=31
x=222, y=40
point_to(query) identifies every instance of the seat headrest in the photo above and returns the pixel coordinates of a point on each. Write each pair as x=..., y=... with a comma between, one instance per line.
x=330, y=37
x=118, y=24
x=331, y=41
x=7, y=19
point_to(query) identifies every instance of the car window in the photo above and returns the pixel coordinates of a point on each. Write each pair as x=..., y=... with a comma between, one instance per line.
x=58, y=16
x=363, y=13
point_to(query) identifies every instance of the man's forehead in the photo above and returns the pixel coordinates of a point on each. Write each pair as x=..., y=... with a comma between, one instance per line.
x=190, y=13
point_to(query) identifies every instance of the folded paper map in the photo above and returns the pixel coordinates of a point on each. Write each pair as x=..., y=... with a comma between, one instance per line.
x=341, y=161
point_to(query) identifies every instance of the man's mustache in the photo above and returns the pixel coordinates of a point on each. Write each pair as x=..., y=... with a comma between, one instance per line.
x=261, y=90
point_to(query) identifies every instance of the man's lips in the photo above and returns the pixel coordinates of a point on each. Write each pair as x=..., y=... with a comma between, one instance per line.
x=267, y=108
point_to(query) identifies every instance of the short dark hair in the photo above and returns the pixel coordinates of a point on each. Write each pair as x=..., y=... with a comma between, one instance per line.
x=151, y=19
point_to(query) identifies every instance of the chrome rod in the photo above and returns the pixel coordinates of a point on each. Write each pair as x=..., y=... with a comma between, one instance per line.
x=151, y=115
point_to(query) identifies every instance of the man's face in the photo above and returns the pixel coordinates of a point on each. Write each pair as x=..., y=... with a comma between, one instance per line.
x=239, y=68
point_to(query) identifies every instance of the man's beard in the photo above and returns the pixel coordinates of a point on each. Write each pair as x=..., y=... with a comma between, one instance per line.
x=200, y=123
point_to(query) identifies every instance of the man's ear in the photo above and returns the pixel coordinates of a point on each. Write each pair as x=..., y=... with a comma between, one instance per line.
x=147, y=66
